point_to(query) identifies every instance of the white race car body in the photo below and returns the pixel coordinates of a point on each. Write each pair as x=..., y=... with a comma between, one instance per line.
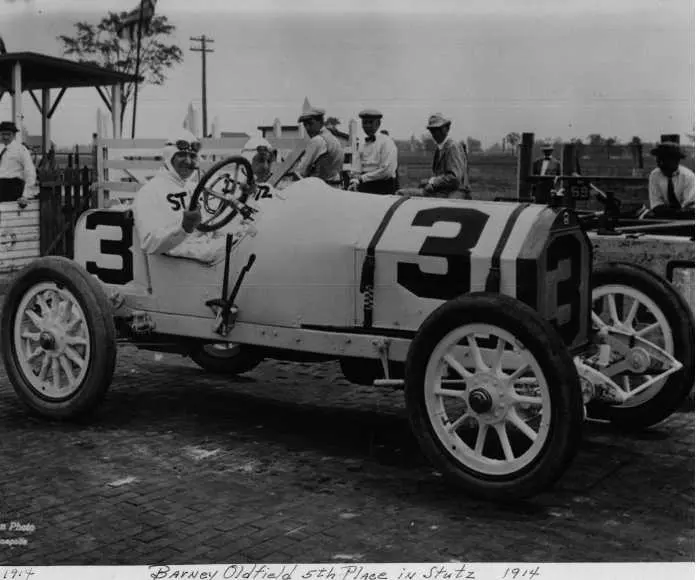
x=312, y=269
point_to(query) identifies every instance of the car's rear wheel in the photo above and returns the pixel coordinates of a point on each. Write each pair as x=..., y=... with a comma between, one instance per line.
x=636, y=300
x=225, y=358
x=493, y=396
x=58, y=339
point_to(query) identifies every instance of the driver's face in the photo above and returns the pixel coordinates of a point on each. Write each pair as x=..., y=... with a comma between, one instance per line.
x=185, y=163
x=312, y=126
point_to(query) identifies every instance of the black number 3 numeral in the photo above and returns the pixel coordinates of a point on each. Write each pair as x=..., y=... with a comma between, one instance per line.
x=120, y=248
x=456, y=250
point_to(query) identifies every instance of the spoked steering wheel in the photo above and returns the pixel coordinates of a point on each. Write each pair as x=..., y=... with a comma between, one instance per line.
x=223, y=191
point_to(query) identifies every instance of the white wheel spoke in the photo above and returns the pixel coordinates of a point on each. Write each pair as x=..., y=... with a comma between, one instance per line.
x=457, y=366
x=626, y=383
x=41, y=301
x=504, y=441
x=67, y=369
x=519, y=372
x=31, y=355
x=450, y=393
x=452, y=427
x=76, y=340
x=612, y=310
x=72, y=323
x=628, y=321
x=476, y=353
x=527, y=400
x=74, y=357
x=35, y=318
x=496, y=364
x=518, y=422
x=481, y=438
x=598, y=321
x=45, y=363
x=55, y=371
x=31, y=335
x=648, y=329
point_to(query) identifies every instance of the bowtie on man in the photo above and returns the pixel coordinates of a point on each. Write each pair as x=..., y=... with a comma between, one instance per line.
x=670, y=185
x=164, y=223
x=377, y=158
x=17, y=171
x=450, y=173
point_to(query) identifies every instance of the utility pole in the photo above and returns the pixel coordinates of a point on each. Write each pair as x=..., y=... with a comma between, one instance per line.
x=203, y=50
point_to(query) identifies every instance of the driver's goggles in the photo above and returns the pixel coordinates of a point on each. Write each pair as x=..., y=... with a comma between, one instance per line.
x=183, y=145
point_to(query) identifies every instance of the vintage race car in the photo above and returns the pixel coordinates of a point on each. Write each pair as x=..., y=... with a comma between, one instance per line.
x=481, y=311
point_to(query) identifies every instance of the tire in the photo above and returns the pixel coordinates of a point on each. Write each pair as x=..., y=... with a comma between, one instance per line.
x=668, y=308
x=83, y=345
x=554, y=417
x=224, y=359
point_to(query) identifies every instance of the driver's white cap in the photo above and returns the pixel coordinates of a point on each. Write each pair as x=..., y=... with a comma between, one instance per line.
x=251, y=147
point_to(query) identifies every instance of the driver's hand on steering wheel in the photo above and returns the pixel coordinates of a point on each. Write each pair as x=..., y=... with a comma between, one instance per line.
x=190, y=220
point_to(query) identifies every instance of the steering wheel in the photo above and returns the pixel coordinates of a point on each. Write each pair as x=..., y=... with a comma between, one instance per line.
x=223, y=191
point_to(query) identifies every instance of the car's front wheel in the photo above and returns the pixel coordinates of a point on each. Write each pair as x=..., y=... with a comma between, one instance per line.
x=58, y=339
x=493, y=396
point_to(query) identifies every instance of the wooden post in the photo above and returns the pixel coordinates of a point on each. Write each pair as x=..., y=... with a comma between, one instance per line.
x=524, y=165
x=45, y=122
x=17, y=95
x=569, y=165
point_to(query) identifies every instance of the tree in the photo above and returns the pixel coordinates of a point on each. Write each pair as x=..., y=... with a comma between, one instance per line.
x=513, y=140
x=610, y=142
x=99, y=44
x=595, y=140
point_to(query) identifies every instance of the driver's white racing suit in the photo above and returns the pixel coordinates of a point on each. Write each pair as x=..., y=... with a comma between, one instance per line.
x=158, y=210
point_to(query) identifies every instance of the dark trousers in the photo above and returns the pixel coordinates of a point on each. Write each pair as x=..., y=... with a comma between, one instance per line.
x=382, y=186
x=11, y=189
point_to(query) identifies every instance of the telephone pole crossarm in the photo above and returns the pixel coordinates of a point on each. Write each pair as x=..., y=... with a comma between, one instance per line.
x=203, y=49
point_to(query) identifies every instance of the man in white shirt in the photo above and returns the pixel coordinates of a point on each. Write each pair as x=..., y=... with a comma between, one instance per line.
x=17, y=172
x=164, y=223
x=377, y=158
x=670, y=185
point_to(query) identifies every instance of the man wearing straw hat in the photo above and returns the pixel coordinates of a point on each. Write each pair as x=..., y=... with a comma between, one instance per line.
x=17, y=171
x=449, y=163
x=670, y=185
x=323, y=157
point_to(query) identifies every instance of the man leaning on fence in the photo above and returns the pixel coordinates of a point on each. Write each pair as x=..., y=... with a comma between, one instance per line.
x=450, y=175
x=670, y=185
x=17, y=172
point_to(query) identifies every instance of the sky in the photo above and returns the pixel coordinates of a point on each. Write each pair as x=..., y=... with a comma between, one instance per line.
x=556, y=68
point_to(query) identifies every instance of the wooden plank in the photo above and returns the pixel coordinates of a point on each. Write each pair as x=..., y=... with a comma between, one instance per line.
x=15, y=264
x=13, y=221
x=9, y=237
x=21, y=230
x=9, y=249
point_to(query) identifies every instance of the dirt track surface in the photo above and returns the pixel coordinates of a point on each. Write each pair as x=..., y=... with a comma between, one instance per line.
x=292, y=463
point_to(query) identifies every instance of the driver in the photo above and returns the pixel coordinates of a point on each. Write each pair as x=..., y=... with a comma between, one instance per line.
x=163, y=221
x=261, y=154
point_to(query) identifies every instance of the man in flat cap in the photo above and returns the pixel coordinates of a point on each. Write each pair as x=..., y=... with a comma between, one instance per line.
x=547, y=164
x=450, y=176
x=377, y=158
x=323, y=156
x=670, y=185
x=17, y=172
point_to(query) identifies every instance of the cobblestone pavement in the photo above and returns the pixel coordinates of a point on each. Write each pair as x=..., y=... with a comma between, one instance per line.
x=292, y=463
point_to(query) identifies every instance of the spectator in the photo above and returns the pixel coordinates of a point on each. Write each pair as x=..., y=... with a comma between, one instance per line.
x=377, y=158
x=547, y=164
x=323, y=156
x=262, y=155
x=449, y=163
x=17, y=171
x=670, y=185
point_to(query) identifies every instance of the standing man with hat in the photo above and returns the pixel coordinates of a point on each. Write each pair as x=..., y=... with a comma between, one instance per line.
x=17, y=172
x=377, y=158
x=449, y=163
x=323, y=156
x=547, y=164
x=670, y=185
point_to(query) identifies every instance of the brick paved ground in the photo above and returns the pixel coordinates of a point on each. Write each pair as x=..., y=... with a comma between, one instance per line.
x=292, y=463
